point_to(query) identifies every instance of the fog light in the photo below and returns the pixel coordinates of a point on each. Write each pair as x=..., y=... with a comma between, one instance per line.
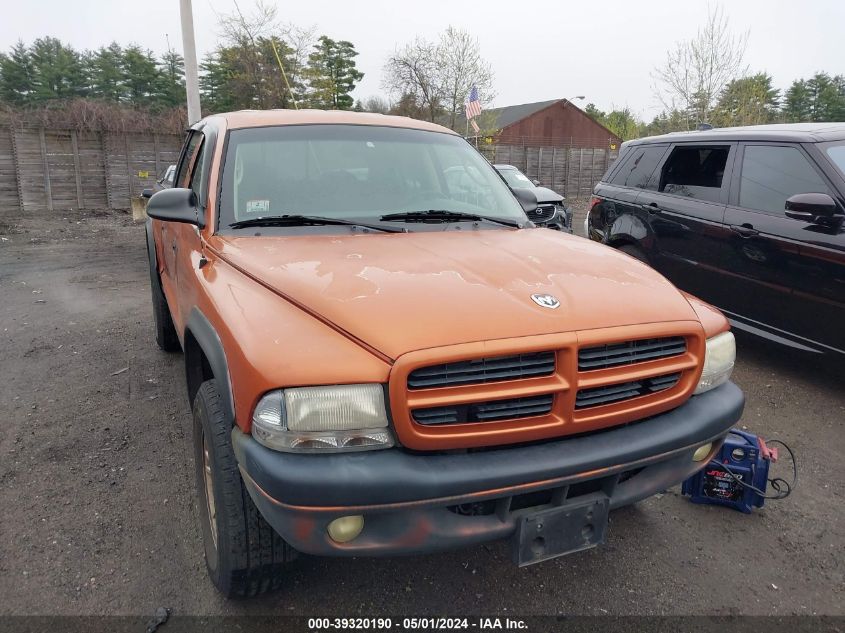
x=702, y=452
x=345, y=529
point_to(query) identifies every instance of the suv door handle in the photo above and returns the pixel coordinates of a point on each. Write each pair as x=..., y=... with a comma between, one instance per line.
x=744, y=230
x=653, y=207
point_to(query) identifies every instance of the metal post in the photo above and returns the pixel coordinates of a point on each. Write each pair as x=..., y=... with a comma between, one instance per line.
x=190, y=54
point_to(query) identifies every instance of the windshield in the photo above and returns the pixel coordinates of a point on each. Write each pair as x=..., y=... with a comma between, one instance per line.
x=356, y=172
x=516, y=179
x=837, y=155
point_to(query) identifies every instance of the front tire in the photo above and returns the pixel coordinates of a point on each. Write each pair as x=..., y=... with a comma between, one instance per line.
x=244, y=555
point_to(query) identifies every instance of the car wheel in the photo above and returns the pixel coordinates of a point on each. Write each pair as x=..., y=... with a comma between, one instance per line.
x=166, y=337
x=243, y=554
x=635, y=252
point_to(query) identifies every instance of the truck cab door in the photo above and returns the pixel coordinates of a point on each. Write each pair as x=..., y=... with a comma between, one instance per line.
x=685, y=206
x=173, y=236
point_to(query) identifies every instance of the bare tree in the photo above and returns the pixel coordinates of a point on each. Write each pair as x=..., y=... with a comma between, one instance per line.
x=412, y=70
x=697, y=70
x=461, y=68
x=377, y=104
x=439, y=75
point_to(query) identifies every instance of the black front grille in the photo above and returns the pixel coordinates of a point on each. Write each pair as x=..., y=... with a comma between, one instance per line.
x=630, y=352
x=481, y=370
x=485, y=411
x=543, y=213
x=608, y=394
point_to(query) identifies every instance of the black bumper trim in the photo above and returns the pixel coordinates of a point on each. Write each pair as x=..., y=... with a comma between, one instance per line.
x=394, y=476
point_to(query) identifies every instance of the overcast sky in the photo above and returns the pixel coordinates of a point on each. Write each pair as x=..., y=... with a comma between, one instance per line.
x=604, y=50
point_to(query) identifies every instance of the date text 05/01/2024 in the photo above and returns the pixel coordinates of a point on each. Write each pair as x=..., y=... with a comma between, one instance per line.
x=412, y=624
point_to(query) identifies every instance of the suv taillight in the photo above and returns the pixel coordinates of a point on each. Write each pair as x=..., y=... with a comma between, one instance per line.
x=594, y=200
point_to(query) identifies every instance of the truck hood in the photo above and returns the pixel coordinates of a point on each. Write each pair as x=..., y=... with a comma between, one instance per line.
x=400, y=292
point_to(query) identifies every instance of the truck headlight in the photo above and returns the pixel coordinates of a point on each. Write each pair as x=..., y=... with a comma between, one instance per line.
x=327, y=419
x=718, y=362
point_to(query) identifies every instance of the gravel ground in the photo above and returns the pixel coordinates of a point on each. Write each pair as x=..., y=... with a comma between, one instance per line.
x=99, y=515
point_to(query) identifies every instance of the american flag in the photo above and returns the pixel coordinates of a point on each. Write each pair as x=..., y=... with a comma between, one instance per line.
x=474, y=105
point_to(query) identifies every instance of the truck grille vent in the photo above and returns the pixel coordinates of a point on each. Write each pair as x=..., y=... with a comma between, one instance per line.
x=630, y=352
x=485, y=411
x=597, y=396
x=483, y=370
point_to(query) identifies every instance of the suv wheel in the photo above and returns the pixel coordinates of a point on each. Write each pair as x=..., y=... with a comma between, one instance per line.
x=243, y=554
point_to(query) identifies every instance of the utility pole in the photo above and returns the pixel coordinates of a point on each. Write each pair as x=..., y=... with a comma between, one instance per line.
x=190, y=52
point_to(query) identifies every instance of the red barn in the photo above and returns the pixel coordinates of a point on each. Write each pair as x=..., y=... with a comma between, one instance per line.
x=558, y=122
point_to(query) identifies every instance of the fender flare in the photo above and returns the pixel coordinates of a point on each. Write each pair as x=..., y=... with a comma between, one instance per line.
x=209, y=342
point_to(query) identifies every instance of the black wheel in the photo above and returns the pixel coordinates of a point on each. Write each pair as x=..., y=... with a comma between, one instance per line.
x=166, y=336
x=243, y=554
x=635, y=252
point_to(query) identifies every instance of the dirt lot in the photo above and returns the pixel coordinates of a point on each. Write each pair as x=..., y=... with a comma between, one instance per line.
x=96, y=480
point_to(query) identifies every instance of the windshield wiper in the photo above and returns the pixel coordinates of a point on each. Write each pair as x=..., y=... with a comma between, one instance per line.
x=304, y=220
x=444, y=215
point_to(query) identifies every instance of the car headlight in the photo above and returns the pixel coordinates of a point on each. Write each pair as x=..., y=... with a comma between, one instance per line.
x=718, y=362
x=327, y=419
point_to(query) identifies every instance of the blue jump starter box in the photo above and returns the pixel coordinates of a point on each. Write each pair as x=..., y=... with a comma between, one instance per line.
x=747, y=457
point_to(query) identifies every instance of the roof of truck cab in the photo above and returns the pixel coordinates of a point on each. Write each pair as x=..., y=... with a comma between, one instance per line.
x=794, y=132
x=263, y=118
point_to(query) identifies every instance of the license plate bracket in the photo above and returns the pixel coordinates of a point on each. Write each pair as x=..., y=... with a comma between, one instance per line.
x=560, y=530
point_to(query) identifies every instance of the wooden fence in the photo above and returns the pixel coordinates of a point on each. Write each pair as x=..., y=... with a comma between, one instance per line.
x=572, y=170
x=53, y=170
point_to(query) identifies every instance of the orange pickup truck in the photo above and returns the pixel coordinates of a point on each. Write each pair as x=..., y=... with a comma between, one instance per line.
x=384, y=355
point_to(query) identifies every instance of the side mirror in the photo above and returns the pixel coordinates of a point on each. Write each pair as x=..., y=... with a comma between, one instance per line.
x=810, y=207
x=527, y=199
x=175, y=205
x=147, y=193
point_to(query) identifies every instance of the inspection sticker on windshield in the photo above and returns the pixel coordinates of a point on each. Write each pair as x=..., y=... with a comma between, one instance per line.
x=257, y=206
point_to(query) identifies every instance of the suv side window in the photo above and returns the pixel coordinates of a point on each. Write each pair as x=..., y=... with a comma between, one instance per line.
x=639, y=166
x=695, y=172
x=772, y=173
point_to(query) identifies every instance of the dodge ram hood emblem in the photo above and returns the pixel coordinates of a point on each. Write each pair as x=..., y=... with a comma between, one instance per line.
x=546, y=301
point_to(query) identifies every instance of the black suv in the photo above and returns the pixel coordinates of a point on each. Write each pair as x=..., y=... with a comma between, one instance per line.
x=749, y=219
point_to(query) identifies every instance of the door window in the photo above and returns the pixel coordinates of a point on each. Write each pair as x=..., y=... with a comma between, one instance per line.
x=183, y=175
x=695, y=172
x=771, y=174
x=639, y=167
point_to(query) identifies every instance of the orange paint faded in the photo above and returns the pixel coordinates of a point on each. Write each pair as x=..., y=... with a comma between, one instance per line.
x=371, y=307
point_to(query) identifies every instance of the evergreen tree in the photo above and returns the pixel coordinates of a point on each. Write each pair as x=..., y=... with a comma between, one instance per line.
x=58, y=72
x=141, y=76
x=170, y=91
x=17, y=83
x=105, y=73
x=747, y=101
x=332, y=74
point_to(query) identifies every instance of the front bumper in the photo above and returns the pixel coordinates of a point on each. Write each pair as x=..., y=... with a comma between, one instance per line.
x=415, y=503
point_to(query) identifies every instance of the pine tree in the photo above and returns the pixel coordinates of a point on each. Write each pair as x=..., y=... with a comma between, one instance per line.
x=106, y=73
x=58, y=71
x=17, y=84
x=332, y=74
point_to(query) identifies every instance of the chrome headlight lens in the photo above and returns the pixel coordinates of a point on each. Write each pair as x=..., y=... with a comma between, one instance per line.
x=718, y=362
x=327, y=419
